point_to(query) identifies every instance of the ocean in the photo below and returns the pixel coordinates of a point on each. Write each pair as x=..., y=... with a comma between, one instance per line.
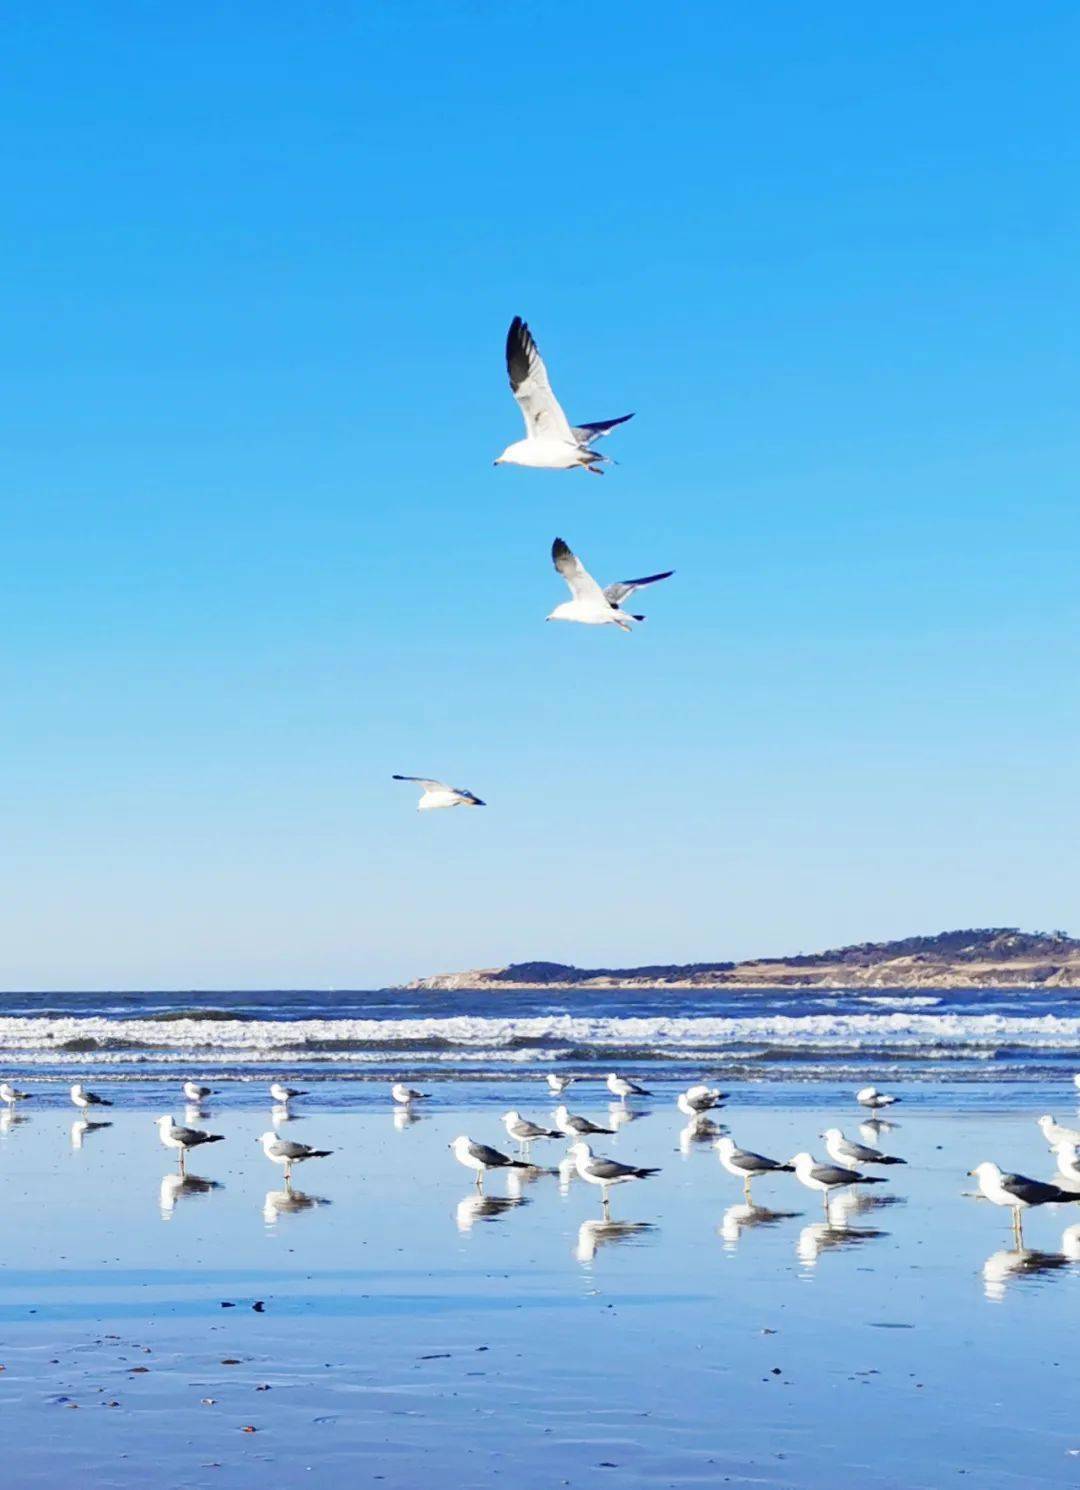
x=1015, y=1036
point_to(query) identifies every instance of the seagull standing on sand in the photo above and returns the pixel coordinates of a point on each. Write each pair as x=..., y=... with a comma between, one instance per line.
x=847, y=1151
x=196, y=1093
x=283, y=1095
x=557, y=1084
x=11, y=1095
x=1068, y=1162
x=406, y=1094
x=525, y=1131
x=622, y=1087
x=481, y=1158
x=182, y=1139
x=82, y=1098
x=1017, y=1191
x=286, y=1153
x=745, y=1165
x=825, y=1178
x=1055, y=1133
x=574, y=1126
x=590, y=605
x=869, y=1096
x=604, y=1172
x=438, y=794
x=551, y=443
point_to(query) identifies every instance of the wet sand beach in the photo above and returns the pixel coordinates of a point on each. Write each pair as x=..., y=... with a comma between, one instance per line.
x=387, y=1324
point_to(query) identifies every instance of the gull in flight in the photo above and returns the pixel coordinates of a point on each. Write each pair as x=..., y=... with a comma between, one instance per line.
x=557, y=1084
x=847, y=1151
x=551, y=442
x=574, y=1126
x=481, y=1158
x=286, y=1153
x=283, y=1095
x=405, y=1094
x=438, y=794
x=1017, y=1191
x=82, y=1098
x=592, y=606
x=183, y=1139
x=604, y=1172
x=1055, y=1133
x=826, y=1178
x=622, y=1087
x=745, y=1165
x=869, y=1096
x=11, y=1095
x=525, y=1131
x=196, y=1093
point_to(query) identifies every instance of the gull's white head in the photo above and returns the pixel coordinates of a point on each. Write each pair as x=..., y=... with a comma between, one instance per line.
x=460, y=1144
x=562, y=612
x=580, y=1150
x=725, y=1146
x=832, y=1134
x=267, y=1138
x=866, y=1094
x=802, y=1161
x=1046, y=1121
x=164, y=1122
x=76, y=1090
x=987, y=1170
x=562, y=1112
x=513, y=1116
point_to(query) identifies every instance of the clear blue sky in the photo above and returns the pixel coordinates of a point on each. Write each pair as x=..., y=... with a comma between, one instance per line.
x=258, y=270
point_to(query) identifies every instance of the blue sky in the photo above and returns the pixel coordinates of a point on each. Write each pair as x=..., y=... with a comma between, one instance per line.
x=259, y=268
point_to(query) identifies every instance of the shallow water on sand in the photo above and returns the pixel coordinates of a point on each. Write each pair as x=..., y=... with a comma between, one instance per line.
x=411, y=1334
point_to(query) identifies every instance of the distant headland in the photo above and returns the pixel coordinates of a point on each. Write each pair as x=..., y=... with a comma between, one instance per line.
x=993, y=957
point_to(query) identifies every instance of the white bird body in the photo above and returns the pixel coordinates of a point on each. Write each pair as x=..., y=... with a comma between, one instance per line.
x=698, y=1099
x=82, y=1098
x=406, y=1094
x=1068, y=1162
x=551, y=443
x=869, y=1096
x=1016, y=1190
x=604, y=1172
x=590, y=605
x=825, y=1178
x=846, y=1151
x=286, y=1153
x=195, y=1093
x=437, y=794
x=480, y=1157
x=283, y=1095
x=10, y=1094
x=182, y=1139
x=523, y=1129
x=575, y=1126
x=1055, y=1133
x=557, y=1084
x=622, y=1087
x=746, y=1165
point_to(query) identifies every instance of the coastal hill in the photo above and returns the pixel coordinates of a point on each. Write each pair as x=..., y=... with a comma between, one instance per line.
x=995, y=957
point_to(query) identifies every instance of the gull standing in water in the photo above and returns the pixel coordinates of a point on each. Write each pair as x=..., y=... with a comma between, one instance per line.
x=283, y=1095
x=551, y=443
x=590, y=605
x=557, y=1084
x=84, y=1099
x=847, y=1151
x=746, y=1165
x=604, y=1172
x=1018, y=1191
x=825, y=1178
x=480, y=1158
x=622, y=1087
x=11, y=1095
x=406, y=1094
x=438, y=794
x=576, y=1127
x=1068, y=1162
x=182, y=1139
x=525, y=1131
x=698, y=1099
x=286, y=1153
x=196, y=1094
x=1055, y=1133
x=869, y=1096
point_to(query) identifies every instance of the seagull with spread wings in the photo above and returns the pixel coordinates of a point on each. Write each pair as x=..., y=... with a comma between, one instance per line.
x=591, y=605
x=551, y=442
x=438, y=794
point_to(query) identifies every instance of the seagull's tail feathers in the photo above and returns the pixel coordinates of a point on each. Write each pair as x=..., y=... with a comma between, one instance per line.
x=320, y=1153
x=643, y=1174
x=214, y=1138
x=872, y=1179
x=889, y=1159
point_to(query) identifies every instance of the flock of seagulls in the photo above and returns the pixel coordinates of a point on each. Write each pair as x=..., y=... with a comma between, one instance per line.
x=551, y=443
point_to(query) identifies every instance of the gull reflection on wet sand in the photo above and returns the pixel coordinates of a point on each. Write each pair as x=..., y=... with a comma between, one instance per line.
x=592, y=1235
x=81, y=1128
x=10, y=1118
x=484, y=1208
x=176, y=1187
x=1012, y=1265
x=289, y=1202
x=700, y=1129
x=744, y=1217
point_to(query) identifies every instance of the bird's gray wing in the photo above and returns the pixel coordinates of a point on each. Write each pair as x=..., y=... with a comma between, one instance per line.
x=756, y=1162
x=544, y=418
x=488, y=1155
x=426, y=783
x=288, y=1150
x=609, y=1169
x=624, y=588
x=833, y=1174
x=190, y=1136
x=1032, y=1192
x=858, y=1153
x=582, y=585
x=588, y=434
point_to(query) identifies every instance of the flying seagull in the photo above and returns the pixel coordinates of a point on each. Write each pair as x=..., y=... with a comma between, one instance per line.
x=82, y=1098
x=1017, y=1191
x=438, y=794
x=847, y=1151
x=282, y=1151
x=183, y=1139
x=604, y=1172
x=746, y=1165
x=551, y=442
x=481, y=1158
x=592, y=606
x=869, y=1096
x=826, y=1178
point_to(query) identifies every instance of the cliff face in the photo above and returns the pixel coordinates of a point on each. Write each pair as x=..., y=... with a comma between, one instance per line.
x=998, y=957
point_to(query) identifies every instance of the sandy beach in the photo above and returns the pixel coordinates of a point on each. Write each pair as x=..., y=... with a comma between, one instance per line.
x=399, y=1330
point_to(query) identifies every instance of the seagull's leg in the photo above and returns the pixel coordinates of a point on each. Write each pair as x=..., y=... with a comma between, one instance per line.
x=746, y=1187
x=480, y=1180
x=605, y=1203
x=183, y=1162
